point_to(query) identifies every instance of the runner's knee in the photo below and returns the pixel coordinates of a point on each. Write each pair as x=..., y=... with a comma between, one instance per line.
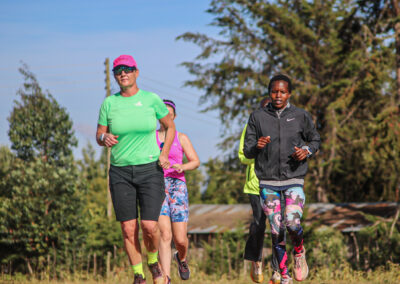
x=166, y=236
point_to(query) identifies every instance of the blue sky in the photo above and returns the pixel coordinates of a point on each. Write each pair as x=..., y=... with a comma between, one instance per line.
x=65, y=44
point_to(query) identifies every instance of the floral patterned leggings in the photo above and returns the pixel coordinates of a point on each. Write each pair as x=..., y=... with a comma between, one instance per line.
x=294, y=202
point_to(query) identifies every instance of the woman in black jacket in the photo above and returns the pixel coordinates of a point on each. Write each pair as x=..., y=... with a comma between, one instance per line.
x=281, y=137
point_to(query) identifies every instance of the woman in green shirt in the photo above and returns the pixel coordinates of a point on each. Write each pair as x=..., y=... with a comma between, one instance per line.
x=127, y=124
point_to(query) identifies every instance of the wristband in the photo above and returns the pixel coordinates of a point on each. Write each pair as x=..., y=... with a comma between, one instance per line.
x=308, y=150
x=102, y=137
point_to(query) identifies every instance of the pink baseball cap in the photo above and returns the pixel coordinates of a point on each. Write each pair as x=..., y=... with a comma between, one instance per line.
x=125, y=60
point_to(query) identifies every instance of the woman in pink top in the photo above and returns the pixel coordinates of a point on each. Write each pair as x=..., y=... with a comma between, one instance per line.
x=175, y=209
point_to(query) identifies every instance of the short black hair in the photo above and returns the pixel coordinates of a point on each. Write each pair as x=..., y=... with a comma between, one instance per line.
x=280, y=77
x=171, y=104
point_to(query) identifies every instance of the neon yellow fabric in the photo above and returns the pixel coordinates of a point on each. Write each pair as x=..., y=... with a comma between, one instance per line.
x=138, y=269
x=152, y=257
x=252, y=184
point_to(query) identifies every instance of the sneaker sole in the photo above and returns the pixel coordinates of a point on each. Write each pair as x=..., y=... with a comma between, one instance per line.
x=177, y=262
x=303, y=278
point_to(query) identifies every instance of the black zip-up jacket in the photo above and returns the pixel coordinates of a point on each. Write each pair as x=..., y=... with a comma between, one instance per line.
x=294, y=127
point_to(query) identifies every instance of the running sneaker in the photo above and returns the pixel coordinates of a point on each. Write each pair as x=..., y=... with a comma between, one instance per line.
x=286, y=279
x=139, y=279
x=300, y=265
x=256, y=272
x=183, y=268
x=275, y=278
x=158, y=277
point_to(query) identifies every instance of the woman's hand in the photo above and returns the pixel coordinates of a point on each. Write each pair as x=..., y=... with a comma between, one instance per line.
x=178, y=167
x=263, y=141
x=299, y=154
x=110, y=140
x=163, y=161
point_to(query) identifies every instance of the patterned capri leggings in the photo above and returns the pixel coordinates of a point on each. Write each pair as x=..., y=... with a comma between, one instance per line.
x=294, y=203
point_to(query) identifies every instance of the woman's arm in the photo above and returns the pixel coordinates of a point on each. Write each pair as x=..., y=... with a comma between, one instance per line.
x=169, y=127
x=103, y=138
x=190, y=153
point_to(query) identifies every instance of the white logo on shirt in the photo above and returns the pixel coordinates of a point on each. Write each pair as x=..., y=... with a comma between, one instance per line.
x=290, y=119
x=139, y=104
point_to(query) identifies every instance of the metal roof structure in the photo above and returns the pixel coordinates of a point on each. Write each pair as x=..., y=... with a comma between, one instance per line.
x=346, y=217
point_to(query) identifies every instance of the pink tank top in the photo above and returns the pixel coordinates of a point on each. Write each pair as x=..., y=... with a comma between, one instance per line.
x=175, y=157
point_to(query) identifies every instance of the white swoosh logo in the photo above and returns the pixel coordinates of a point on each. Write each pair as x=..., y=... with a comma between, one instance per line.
x=289, y=119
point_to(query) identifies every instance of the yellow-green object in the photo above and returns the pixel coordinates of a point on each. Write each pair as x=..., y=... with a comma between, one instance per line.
x=152, y=257
x=138, y=269
x=252, y=184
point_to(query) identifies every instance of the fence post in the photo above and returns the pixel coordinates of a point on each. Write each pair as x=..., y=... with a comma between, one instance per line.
x=108, y=264
x=94, y=265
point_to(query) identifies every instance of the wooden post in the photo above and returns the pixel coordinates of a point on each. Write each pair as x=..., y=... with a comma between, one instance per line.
x=94, y=265
x=54, y=261
x=108, y=264
x=229, y=258
x=221, y=249
x=108, y=93
x=74, y=261
x=357, y=250
x=238, y=258
x=115, y=258
x=48, y=266
x=88, y=264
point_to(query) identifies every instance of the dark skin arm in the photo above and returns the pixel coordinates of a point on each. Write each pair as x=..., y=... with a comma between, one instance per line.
x=299, y=154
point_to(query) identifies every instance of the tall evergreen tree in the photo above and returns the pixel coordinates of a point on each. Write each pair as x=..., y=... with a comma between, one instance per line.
x=40, y=192
x=341, y=73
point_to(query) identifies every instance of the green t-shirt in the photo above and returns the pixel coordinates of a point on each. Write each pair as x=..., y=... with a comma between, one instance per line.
x=134, y=120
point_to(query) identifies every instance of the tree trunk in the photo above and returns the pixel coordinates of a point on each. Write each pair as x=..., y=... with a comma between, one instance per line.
x=28, y=265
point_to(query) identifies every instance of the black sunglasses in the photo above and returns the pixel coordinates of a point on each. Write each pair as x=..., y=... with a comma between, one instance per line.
x=118, y=70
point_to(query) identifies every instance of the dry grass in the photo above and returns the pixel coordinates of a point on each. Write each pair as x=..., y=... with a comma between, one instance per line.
x=345, y=275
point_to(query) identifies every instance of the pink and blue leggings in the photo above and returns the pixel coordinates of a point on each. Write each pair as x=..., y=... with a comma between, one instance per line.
x=294, y=199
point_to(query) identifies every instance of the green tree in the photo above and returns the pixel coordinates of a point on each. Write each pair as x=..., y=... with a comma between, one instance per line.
x=39, y=126
x=41, y=196
x=103, y=232
x=342, y=70
x=225, y=181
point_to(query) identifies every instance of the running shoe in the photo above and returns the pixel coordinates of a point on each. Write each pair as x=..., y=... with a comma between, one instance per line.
x=300, y=265
x=256, y=272
x=286, y=279
x=183, y=268
x=139, y=279
x=158, y=277
x=275, y=278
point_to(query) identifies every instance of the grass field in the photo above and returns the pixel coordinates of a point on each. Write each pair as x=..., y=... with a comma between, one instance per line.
x=342, y=276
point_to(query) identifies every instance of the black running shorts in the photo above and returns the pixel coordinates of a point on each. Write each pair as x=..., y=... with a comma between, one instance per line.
x=137, y=186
